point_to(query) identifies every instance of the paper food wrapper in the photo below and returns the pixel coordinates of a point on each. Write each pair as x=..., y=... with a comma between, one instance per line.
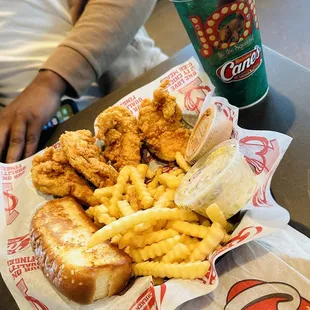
x=263, y=150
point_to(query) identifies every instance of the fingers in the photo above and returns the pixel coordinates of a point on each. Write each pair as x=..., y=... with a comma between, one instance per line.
x=17, y=141
x=4, y=133
x=32, y=138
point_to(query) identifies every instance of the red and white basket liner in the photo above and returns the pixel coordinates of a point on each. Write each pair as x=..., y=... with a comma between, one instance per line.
x=263, y=150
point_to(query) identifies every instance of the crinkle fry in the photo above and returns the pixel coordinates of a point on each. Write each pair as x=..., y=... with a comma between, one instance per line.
x=160, y=224
x=132, y=198
x=153, y=237
x=98, y=211
x=90, y=212
x=154, y=183
x=165, y=200
x=169, y=180
x=105, y=219
x=144, y=195
x=182, y=162
x=116, y=239
x=177, y=172
x=142, y=169
x=125, y=208
x=178, y=253
x=158, y=281
x=159, y=191
x=104, y=192
x=215, y=214
x=150, y=174
x=126, y=239
x=128, y=222
x=118, y=191
x=187, y=240
x=208, y=244
x=166, y=270
x=190, y=229
x=206, y=223
x=143, y=227
x=155, y=249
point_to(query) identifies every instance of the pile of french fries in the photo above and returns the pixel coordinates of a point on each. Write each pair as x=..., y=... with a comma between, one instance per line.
x=139, y=215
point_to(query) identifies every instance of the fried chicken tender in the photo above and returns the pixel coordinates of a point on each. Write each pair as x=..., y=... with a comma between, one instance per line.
x=160, y=124
x=86, y=157
x=118, y=128
x=52, y=175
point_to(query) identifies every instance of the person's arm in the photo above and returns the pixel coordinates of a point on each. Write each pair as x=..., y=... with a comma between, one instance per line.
x=103, y=31
x=22, y=120
x=105, y=28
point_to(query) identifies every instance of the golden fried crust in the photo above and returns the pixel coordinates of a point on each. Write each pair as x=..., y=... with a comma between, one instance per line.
x=60, y=231
x=118, y=128
x=52, y=175
x=160, y=124
x=86, y=157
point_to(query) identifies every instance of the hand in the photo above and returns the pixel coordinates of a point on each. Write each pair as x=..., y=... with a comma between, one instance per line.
x=22, y=120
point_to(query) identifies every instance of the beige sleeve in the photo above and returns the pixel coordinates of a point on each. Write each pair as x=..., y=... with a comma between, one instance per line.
x=103, y=31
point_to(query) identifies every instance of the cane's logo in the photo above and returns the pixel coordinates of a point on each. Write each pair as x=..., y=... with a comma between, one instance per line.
x=257, y=294
x=18, y=244
x=242, y=67
x=35, y=303
x=10, y=203
x=146, y=300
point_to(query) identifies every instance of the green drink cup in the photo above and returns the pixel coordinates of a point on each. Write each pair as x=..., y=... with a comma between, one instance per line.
x=226, y=37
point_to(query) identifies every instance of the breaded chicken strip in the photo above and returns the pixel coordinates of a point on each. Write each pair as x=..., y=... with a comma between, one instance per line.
x=160, y=124
x=87, y=158
x=118, y=128
x=52, y=175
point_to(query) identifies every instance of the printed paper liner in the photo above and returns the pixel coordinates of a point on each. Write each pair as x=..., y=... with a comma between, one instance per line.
x=263, y=150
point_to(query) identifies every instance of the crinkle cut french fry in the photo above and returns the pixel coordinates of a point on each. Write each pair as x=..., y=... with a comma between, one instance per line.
x=190, y=229
x=165, y=199
x=177, y=172
x=160, y=224
x=182, y=162
x=132, y=198
x=179, y=252
x=116, y=239
x=126, y=239
x=90, y=212
x=144, y=195
x=226, y=237
x=104, y=192
x=159, y=191
x=181, y=176
x=208, y=244
x=169, y=180
x=166, y=270
x=125, y=208
x=142, y=227
x=187, y=240
x=152, y=237
x=106, y=219
x=158, y=281
x=155, y=249
x=142, y=169
x=206, y=223
x=122, y=179
x=215, y=214
x=98, y=210
x=127, y=222
x=150, y=174
x=154, y=182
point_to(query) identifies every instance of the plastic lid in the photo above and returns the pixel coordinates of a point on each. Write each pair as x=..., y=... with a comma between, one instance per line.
x=222, y=176
x=211, y=129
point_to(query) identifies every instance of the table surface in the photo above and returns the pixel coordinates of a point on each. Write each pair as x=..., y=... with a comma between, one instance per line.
x=286, y=109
